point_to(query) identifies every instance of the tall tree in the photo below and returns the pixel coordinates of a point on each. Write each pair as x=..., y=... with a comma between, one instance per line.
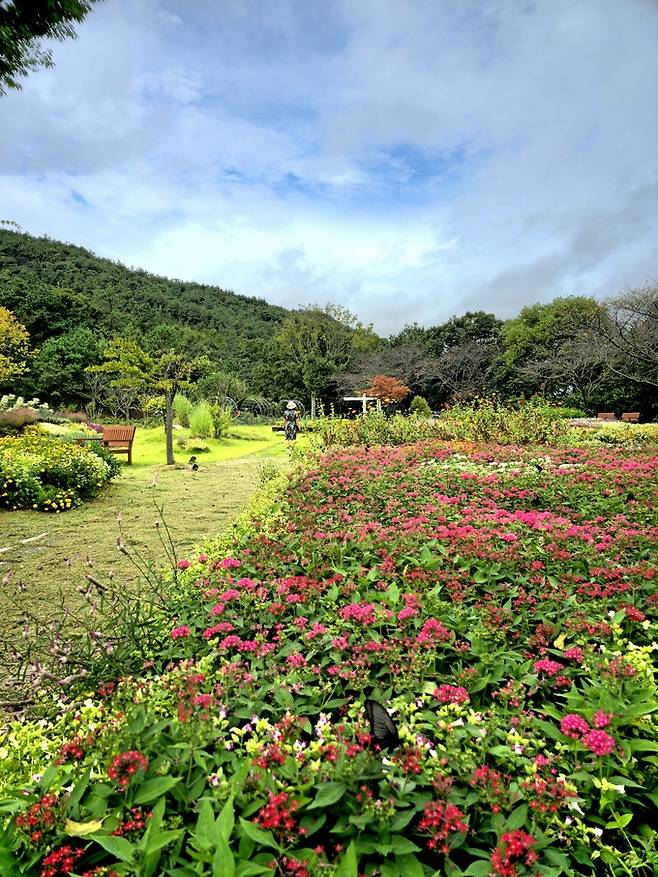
x=23, y=24
x=320, y=342
x=630, y=328
x=162, y=374
x=14, y=346
x=553, y=347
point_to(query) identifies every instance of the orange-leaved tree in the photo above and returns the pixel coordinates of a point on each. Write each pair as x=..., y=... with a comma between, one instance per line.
x=388, y=390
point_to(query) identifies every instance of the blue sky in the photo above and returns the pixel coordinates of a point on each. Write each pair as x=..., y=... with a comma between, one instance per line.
x=409, y=159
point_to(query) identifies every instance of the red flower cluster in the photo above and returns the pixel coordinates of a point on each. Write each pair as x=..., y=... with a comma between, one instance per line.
x=135, y=822
x=125, y=765
x=61, y=861
x=515, y=847
x=441, y=819
x=277, y=814
x=39, y=818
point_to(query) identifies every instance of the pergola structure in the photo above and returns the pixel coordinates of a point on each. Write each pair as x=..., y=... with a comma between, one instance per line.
x=364, y=401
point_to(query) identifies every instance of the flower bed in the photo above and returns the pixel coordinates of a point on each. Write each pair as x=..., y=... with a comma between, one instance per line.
x=499, y=602
x=40, y=472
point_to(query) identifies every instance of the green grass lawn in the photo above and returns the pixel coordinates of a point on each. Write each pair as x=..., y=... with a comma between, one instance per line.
x=44, y=558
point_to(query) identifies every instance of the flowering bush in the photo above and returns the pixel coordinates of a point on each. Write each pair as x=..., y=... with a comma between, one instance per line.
x=500, y=603
x=40, y=472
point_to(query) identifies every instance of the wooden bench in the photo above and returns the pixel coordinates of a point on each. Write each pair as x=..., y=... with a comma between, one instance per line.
x=631, y=417
x=606, y=415
x=119, y=440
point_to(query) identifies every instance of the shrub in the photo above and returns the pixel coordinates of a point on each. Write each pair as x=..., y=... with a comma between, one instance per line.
x=222, y=419
x=182, y=410
x=38, y=471
x=14, y=419
x=202, y=423
x=488, y=420
x=420, y=407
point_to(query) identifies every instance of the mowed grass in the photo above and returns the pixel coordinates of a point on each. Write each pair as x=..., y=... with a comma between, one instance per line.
x=44, y=558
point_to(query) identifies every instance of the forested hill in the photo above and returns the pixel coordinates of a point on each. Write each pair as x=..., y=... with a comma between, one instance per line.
x=121, y=296
x=71, y=301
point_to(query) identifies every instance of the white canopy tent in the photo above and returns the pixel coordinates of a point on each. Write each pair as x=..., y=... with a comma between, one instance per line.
x=364, y=401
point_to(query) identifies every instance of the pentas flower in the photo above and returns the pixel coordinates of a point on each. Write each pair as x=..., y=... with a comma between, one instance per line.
x=451, y=694
x=599, y=742
x=181, y=632
x=433, y=631
x=230, y=563
x=134, y=823
x=184, y=564
x=364, y=613
x=515, y=847
x=440, y=820
x=39, y=818
x=125, y=765
x=574, y=654
x=60, y=861
x=550, y=668
x=574, y=726
x=278, y=814
x=602, y=719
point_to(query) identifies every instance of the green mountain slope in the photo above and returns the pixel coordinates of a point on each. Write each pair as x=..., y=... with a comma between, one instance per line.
x=54, y=288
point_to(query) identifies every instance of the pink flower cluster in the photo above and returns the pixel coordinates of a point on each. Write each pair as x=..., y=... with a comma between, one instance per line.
x=180, y=632
x=451, y=694
x=433, y=631
x=364, y=613
x=550, y=668
x=597, y=741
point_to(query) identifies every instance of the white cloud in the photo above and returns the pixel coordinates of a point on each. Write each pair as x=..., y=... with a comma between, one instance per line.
x=408, y=160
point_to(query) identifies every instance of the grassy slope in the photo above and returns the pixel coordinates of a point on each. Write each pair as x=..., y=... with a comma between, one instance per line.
x=82, y=541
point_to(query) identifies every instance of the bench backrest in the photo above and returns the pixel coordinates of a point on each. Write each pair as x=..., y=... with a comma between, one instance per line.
x=123, y=435
x=631, y=416
x=606, y=415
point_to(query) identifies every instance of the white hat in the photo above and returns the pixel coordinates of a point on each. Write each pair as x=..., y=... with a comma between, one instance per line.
x=291, y=405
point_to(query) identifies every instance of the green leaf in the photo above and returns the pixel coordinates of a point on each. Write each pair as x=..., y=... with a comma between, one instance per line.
x=226, y=820
x=517, y=818
x=204, y=831
x=223, y=863
x=253, y=832
x=478, y=869
x=155, y=788
x=401, y=846
x=348, y=865
x=118, y=847
x=328, y=794
x=251, y=869
x=409, y=866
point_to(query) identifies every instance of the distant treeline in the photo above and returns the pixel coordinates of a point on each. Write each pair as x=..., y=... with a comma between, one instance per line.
x=575, y=350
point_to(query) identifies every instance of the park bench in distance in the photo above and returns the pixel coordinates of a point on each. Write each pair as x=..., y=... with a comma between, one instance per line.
x=606, y=415
x=119, y=440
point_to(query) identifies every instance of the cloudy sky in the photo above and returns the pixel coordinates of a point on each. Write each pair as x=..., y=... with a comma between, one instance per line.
x=410, y=159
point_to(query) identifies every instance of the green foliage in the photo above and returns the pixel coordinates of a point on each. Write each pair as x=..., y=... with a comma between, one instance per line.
x=376, y=428
x=488, y=420
x=14, y=346
x=218, y=386
x=38, y=471
x=420, y=407
x=183, y=410
x=23, y=25
x=59, y=367
x=202, y=423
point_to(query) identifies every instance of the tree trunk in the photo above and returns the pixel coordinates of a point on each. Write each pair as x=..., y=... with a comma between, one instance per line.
x=312, y=406
x=169, y=428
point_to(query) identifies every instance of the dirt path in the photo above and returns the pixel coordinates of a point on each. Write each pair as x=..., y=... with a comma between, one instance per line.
x=44, y=557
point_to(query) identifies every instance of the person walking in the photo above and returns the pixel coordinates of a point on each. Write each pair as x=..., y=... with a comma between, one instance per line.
x=290, y=422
